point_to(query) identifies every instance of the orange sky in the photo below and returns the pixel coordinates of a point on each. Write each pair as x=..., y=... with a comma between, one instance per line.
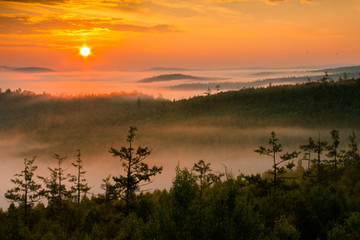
x=138, y=34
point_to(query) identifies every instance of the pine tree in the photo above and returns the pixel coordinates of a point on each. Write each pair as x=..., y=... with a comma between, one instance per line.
x=26, y=190
x=334, y=153
x=351, y=157
x=205, y=176
x=136, y=170
x=272, y=151
x=308, y=149
x=319, y=147
x=55, y=189
x=80, y=185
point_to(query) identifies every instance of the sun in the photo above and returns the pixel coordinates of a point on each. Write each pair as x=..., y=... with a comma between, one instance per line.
x=85, y=51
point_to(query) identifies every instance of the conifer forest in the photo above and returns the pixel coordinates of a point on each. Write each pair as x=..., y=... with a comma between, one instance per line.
x=311, y=191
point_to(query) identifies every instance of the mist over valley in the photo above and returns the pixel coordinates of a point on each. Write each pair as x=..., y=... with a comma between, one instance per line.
x=221, y=128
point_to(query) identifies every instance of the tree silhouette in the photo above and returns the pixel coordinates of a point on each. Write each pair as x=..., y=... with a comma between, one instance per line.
x=80, y=185
x=308, y=149
x=26, y=190
x=204, y=175
x=55, y=189
x=217, y=87
x=208, y=92
x=334, y=153
x=351, y=157
x=112, y=191
x=319, y=147
x=136, y=170
x=272, y=152
x=325, y=78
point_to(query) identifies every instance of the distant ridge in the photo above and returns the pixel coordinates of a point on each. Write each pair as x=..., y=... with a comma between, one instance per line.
x=160, y=69
x=176, y=76
x=341, y=69
x=313, y=67
x=333, y=75
x=26, y=69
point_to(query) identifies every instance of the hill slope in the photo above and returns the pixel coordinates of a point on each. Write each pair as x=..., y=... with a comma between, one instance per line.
x=93, y=121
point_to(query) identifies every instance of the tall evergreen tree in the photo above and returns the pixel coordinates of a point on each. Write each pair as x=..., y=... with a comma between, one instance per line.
x=26, y=190
x=308, y=149
x=136, y=170
x=351, y=157
x=55, y=189
x=204, y=175
x=80, y=186
x=334, y=153
x=272, y=152
x=319, y=147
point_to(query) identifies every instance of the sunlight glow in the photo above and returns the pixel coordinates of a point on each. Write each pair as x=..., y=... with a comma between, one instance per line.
x=85, y=51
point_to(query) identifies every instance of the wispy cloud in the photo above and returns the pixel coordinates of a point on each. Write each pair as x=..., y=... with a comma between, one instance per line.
x=72, y=24
x=45, y=2
x=69, y=2
x=267, y=1
x=275, y=1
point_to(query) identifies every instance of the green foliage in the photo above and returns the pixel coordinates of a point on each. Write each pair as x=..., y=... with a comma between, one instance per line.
x=318, y=148
x=246, y=207
x=334, y=153
x=349, y=230
x=80, y=186
x=184, y=189
x=26, y=190
x=272, y=151
x=131, y=228
x=136, y=170
x=13, y=227
x=308, y=149
x=55, y=189
x=112, y=191
x=351, y=157
x=283, y=230
x=204, y=176
x=242, y=207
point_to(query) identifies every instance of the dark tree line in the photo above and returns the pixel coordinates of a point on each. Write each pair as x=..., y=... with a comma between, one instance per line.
x=319, y=201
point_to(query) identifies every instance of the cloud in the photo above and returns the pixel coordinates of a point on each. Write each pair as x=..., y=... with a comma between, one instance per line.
x=274, y=2
x=267, y=1
x=72, y=24
x=60, y=2
x=278, y=1
x=45, y=2
x=68, y=4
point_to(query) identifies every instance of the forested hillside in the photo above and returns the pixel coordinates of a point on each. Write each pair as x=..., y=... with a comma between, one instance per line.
x=310, y=102
x=311, y=192
x=330, y=103
x=81, y=120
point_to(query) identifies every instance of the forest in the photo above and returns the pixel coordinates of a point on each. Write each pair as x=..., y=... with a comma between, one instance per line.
x=311, y=192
